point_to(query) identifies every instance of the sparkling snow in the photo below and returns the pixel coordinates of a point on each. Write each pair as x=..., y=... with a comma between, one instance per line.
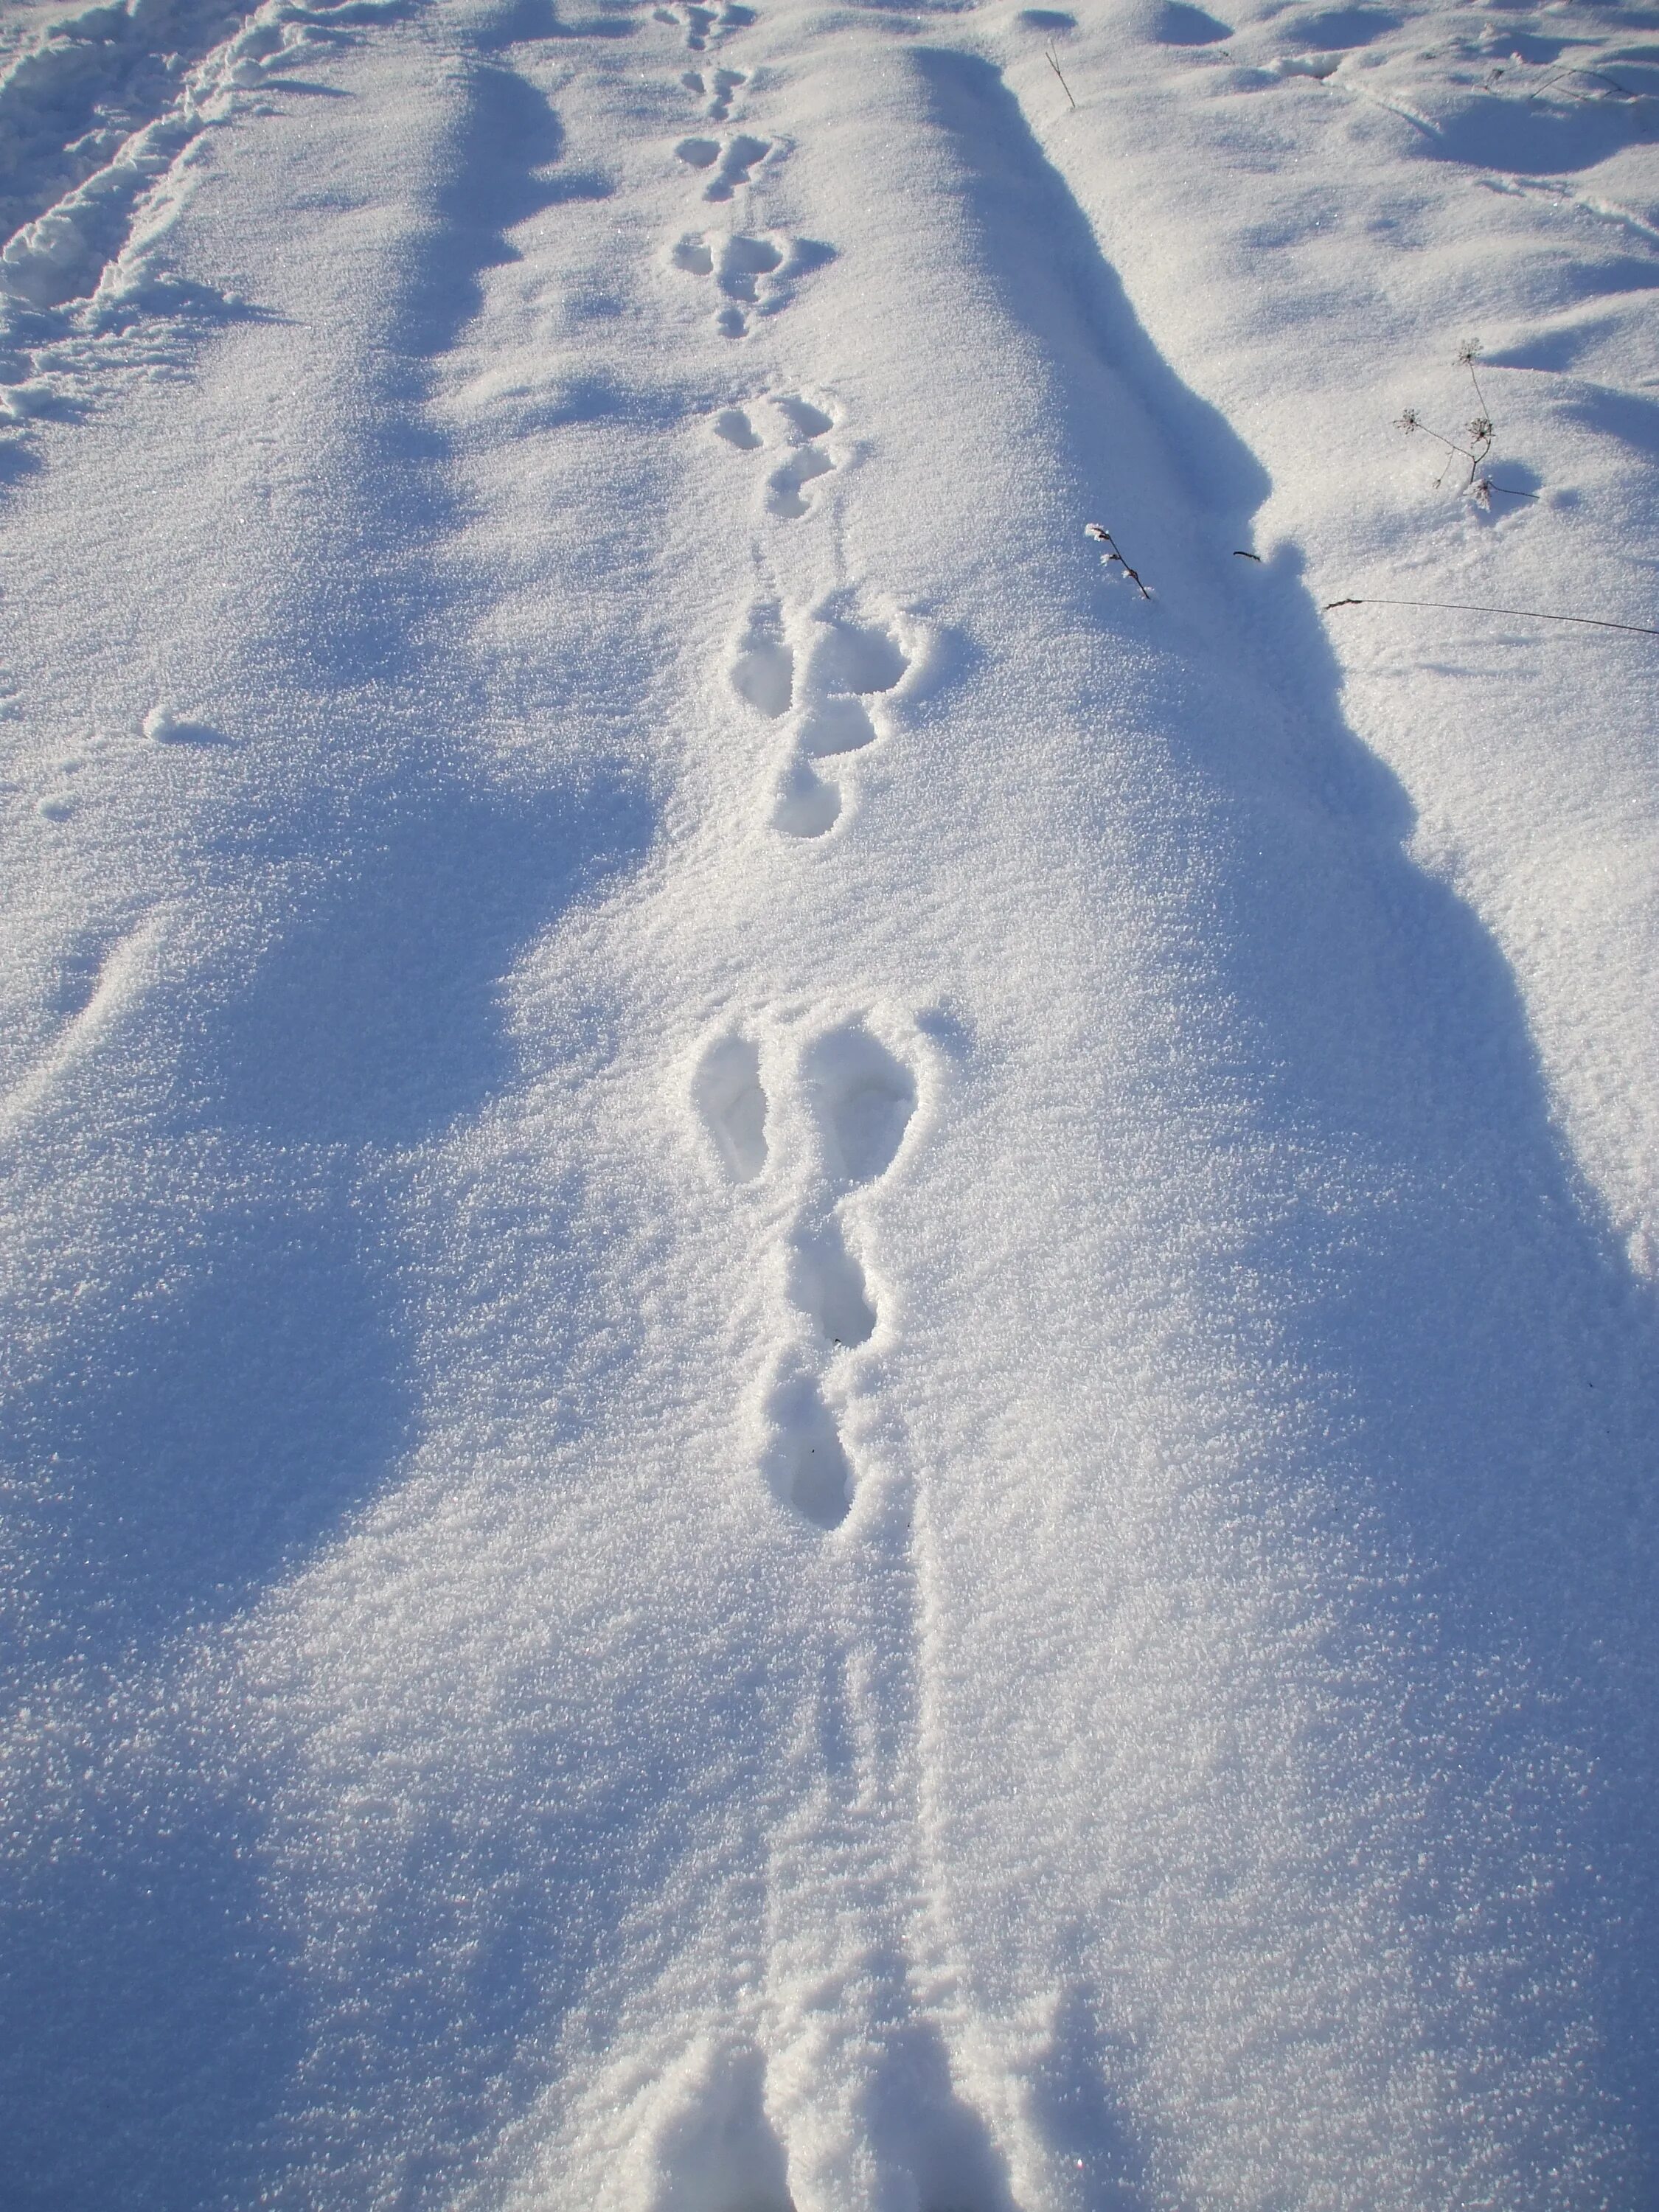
x=830, y=1359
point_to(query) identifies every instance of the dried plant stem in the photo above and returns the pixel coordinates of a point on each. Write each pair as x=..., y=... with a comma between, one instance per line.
x=1469, y=354
x=1480, y=434
x=1112, y=557
x=1551, y=81
x=1524, y=614
x=1050, y=58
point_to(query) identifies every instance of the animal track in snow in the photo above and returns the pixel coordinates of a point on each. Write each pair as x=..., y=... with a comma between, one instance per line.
x=835, y=725
x=828, y=1284
x=759, y=273
x=763, y=670
x=799, y=425
x=735, y=427
x=804, y=805
x=785, y=486
x=851, y=658
x=700, y=24
x=736, y=157
x=861, y=1097
x=719, y=90
x=807, y=1465
x=806, y=420
x=847, y=664
x=732, y=1104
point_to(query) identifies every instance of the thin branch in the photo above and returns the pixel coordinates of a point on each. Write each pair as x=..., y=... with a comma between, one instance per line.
x=1048, y=56
x=1552, y=79
x=1484, y=486
x=1468, y=353
x=1524, y=614
x=1102, y=536
x=1623, y=91
x=1481, y=431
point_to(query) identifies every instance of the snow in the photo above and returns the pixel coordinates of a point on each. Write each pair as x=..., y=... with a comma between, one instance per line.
x=829, y=1359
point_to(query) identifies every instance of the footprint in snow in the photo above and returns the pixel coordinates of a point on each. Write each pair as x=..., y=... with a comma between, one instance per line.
x=847, y=664
x=859, y=1098
x=806, y=424
x=756, y=274
x=801, y=425
x=733, y=425
x=785, y=486
x=828, y=1285
x=862, y=1097
x=730, y=1099
x=701, y=24
x=731, y=161
x=719, y=89
x=762, y=666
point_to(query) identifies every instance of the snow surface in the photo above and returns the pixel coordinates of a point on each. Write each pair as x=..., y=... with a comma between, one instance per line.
x=831, y=1359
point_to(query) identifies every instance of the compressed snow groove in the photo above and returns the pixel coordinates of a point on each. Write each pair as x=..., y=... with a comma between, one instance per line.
x=102, y=116
x=72, y=97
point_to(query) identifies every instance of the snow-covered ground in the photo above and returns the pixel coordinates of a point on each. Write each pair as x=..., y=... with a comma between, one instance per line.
x=831, y=1356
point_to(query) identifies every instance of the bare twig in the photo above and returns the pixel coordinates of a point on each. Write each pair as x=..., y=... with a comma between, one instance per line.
x=1048, y=56
x=1524, y=614
x=1612, y=84
x=1479, y=432
x=1467, y=353
x=1484, y=486
x=1102, y=536
x=1551, y=81
x=1239, y=554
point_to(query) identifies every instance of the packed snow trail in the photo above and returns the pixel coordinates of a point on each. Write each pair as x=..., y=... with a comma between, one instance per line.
x=822, y=1394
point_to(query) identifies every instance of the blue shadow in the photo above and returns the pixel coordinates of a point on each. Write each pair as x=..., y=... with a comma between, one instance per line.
x=375, y=1017
x=1329, y=30
x=509, y=142
x=1073, y=2105
x=148, y=2014
x=1551, y=135
x=1179, y=24
x=180, y=1457
x=527, y=20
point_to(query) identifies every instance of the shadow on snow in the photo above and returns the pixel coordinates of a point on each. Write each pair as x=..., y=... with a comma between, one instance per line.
x=1480, y=1354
